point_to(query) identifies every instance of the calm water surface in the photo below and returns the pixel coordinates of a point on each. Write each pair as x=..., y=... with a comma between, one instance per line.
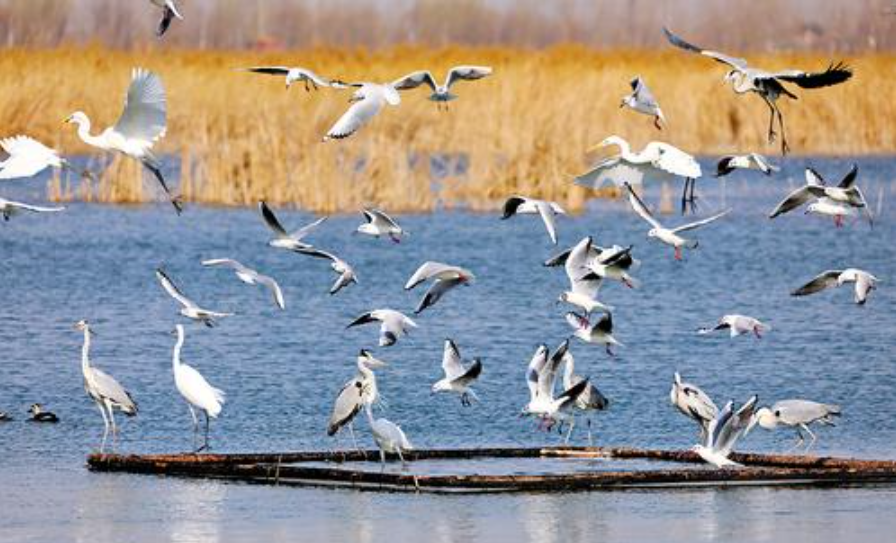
x=281, y=370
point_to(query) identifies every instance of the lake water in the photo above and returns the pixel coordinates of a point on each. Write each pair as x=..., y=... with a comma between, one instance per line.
x=281, y=370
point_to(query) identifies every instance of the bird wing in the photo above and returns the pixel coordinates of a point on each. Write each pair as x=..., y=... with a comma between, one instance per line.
x=226, y=262
x=640, y=208
x=271, y=220
x=536, y=366
x=716, y=424
x=168, y=15
x=734, y=62
x=347, y=405
x=108, y=387
x=414, y=80
x=424, y=272
x=699, y=402
x=272, y=285
x=29, y=207
x=763, y=164
x=605, y=324
x=436, y=291
x=366, y=318
x=318, y=80
x=612, y=169
x=354, y=118
x=470, y=374
x=268, y=70
x=642, y=91
x=547, y=378
x=833, y=75
x=822, y=281
x=379, y=216
x=172, y=290
x=304, y=231
x=793, y=200
x=734, y=427
x=511, y=205
x=198, y=391
x=559, y=259
x=27, y=157
x=795, y=412
x=673, y=160
x=864, y=284
x=451, y=360
x=317, y=253
x=546, y=210
x=698, y=224
x=144, y=116
x=466, y=73
x=850, y=178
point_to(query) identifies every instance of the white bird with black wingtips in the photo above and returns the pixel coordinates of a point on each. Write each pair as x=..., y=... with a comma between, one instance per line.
x=541, y=378
x=723, y=432
x=837, y=202
x=441, y=94
x=445, y=277
x=291, y=241
x=169, y=13
x=293, y=75
x=189, y=310
x=738, y=325
x=346, y=274
x=368, y=100
x=599, y=332
x=643, y=101
x=669, y=236
x=250, y=277
x=752, y=161
x=378, y=223
x=864, y=283
x=584, y=282
x=458, y=379
x=142, y=123
x=393, y=324
x=520, y=205
x=9, y=208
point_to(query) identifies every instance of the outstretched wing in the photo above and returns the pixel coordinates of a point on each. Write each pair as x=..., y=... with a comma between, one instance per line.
x=144, y=116
x=833, y=75
x=414, y=80
x=612, y=169
x=303, y=232
x=793, y=200
x=466, y=73
x=354, y=118
x=172, y=290
x=850, y=178
x=546, y=210
x=451, y=361
x=226, y=262
x=822, y=281
x=734, y=62
x=29, y=207
x=27, y=157
x=424, y=272
x=640, y=208
x=272, y=285
x=271, y=220
x=698, y=224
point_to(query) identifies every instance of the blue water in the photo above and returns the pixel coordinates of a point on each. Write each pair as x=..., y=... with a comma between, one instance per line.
x=281, y=370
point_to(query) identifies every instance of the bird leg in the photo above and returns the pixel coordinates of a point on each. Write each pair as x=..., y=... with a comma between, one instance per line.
x=757, y=332
x=394, y=238
x=838, y=221
x=798, y=442
x=195, y=425
x=351, y=432
x=784, y=147
x=678, y=253
x=207, y=422
x=114, y=426
x=610, y=350
x=811, y=435
x=382, y=460
x=590, y=439
x=105, y=426
x=771, y=121
x=656, y=122
x=572, y=424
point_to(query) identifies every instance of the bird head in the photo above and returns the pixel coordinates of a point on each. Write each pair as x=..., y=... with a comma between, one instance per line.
x=78, y=117
x=81, y=324
x=764, y=417
x=35, y=409
x=367, y=358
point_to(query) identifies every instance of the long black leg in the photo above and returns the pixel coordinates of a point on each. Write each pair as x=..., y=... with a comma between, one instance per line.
x=771, y=120
x=784, y=147
x=175, y=201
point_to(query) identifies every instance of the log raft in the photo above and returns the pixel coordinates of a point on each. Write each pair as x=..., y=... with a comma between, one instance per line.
x=335, y=469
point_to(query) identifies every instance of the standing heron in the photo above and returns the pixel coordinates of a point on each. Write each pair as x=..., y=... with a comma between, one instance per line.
x=797, y=414
x=388, y=436
x=106, y=392
x=358, y=392
x=768, y=85
x=198, y=393
x=142, y=123
x=693, y=403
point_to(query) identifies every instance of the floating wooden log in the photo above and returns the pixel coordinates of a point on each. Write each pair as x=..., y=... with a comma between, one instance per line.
x=335, y=469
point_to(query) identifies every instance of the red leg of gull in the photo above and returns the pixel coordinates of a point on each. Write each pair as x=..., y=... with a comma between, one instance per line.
x=678, y=253
x=757, y=332
x=394, y=238
x=628, y=283
x=838, y=221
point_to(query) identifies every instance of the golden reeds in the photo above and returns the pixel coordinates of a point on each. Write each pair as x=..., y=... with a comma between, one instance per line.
x=241, y=137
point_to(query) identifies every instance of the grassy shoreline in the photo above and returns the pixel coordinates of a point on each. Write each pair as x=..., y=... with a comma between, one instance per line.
x=241, y=137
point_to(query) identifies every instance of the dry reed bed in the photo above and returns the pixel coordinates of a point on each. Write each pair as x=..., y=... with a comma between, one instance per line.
x=241, y=137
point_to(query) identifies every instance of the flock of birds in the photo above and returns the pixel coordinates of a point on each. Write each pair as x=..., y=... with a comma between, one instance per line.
x=587, y=266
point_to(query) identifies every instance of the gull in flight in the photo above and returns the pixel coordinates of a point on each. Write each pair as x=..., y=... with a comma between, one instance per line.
x=198, y=393
x=293, y=75
x=864, y=283
x=658, y=161
x=445, y=277
x=367, y=101
x=441, y=94
x=797, y=414
x=737, y=325
x=393, y=324
x=388, y=436
x=693, y=403
x=9, y=208
x=541, y=377
x=669, y=236
x=458, y=378
x=642, y=101
x=377, y=223
x=346, y=273
x=141, y=124
x=591, y=399
x=28, y=157
x=520, y=205
x=768, y=85
x=599, y=332
x=282, y=238
x=169, y=12
x=584, y=281
x=613, y=262
x=250, y=277
x=752, y=161
x=189, y=309
x=103, y=389
x=837, y=202
x=357, y=393
x=724, y=431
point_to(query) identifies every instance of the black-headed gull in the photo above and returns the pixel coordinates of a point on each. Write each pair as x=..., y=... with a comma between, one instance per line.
x=291, y=241
x=723, y=433
x=643, y=101
x=367, y=100
x=169, y=12
x=377, y=223
x=752, y=161
x=441, y=94
x=445, y=277
x=737, y=325
x=599, y=332
x=520, y=205
x=541, y=376
x=189, y=309
x=837, y=202
x=458, y=378
x=293, y=74
x=346, y=273
x=864, y=283
x=590, y=400
x=393, y=324
x=250, y=277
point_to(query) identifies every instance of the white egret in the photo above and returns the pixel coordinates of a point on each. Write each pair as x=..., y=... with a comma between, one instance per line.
x=693, y=403
x=198, y=393
x=388, y=436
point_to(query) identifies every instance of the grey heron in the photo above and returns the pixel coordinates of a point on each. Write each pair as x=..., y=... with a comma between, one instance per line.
x=359, y=391
x=797, y=414
x=693, y=403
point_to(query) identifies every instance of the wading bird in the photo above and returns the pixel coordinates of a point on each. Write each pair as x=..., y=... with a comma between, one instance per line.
x=441, y=94
x=393, y=324
x=198, y=393
x=141, y=124
x=9, y=208
x=752, y=161
x=723, y=432
x=357, y=393
x=293, y=75
x=669, y=236
x=520, y=205
x=693, y=403
x=457, y=377
x=169, y=12
x=642, y=101
x=797, y=414
x=378, y=223
x=658, y=161
x=445, y=277
x=342, y=268
x=39, y=415
x=737, y=325
x=388, y=436
x=250, y=277
x=768, y=85
x=864, y=283
x=103, y=389
x=189, y=310
x=291, y=241
x=28, y=157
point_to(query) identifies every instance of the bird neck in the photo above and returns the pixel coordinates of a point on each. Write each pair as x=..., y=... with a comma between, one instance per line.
x=84, y=133
x=85, y=351
x=369, y=411
x=175, y=360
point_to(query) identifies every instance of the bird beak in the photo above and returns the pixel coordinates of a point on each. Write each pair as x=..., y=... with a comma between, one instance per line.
x=354, y=99
x=67, y=120
x=622, y=104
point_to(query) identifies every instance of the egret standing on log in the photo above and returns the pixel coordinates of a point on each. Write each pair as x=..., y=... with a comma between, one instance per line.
x=195, y=390
x=142, y=123
x=768, y=85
